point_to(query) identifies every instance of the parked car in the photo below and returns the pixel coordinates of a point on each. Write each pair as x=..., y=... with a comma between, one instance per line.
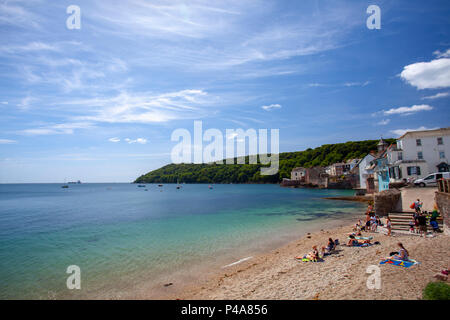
x=431, y=179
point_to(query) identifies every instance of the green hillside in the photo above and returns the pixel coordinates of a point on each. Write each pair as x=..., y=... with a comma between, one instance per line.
x=247, y=173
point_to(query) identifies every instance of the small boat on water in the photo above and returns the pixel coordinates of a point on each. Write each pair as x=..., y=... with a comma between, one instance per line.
x=160, y=185
x=210, y=186
x=65, y=186
x=141, y=186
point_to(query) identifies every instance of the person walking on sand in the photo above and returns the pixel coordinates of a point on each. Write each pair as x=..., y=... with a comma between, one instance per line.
x=389, y=226
x=418, y=206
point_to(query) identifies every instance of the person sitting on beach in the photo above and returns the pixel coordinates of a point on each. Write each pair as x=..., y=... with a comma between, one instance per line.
x=402, y=254
x=331, y=246
x=313, y=255
x=422, y=220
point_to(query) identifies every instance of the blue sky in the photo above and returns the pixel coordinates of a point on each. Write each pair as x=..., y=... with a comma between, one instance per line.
x=99, y=104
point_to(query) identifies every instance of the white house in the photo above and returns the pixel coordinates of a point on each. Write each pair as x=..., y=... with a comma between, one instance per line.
x=365, y=170
x=419, y=153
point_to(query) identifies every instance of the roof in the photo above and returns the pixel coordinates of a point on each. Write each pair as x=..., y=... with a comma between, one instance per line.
x=426, y=133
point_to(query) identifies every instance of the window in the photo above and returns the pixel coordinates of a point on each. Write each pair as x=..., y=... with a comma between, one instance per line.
x=438, y=176
x=430, y=177
x=441, y=155
x=412, y=171
x=418, y=142
x=420, y=155
x=440, y=141
x=400, y=156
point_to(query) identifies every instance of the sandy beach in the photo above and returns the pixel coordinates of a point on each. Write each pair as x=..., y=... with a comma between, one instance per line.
x=277, y=275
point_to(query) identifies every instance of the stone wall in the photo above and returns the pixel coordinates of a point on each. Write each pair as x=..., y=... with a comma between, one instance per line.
x=387, y=201
x=443, y=203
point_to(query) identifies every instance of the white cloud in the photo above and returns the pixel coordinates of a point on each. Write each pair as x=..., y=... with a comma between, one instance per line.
x=26, y=102
x=440, y=54
x=400, y=132
x=437, y=96
x=145, y=107
x=384, y=122
x=63, y=128
x=114, y=139
x=428, y=75
x=272, y=106
x=7, y=141
x=138, y=140
x=30, y=47
x=408, y=110
x=4, y=102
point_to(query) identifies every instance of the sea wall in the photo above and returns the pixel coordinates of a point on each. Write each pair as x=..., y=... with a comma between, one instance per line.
x=443, y=203
x=387, y=201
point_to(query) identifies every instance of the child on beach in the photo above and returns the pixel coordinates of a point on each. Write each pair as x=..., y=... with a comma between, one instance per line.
x=412, y=226
x=389, y=226
x=418, y=206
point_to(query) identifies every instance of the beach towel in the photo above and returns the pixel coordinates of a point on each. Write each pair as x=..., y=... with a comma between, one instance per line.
x=400, y=263
x=306, y=259
x=360, y=245
x=362, y=238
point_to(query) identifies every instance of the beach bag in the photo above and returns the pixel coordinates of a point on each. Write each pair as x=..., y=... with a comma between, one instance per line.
x=412, y=206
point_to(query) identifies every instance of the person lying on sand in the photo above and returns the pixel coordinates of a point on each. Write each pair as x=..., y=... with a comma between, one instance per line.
x=353, y=242
x=443, y=275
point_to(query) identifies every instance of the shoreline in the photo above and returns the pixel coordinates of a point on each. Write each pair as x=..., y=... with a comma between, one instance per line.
x=277, y=275
x=176, y=283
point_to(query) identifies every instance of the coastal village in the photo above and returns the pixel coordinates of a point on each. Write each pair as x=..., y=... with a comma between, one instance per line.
x=415, y=155
x=391, y=177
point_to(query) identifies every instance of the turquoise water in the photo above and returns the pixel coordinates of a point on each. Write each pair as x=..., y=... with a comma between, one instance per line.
x=122, y=236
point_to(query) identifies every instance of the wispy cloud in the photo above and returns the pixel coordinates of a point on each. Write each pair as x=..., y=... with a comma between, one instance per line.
x=7, y=141
x=384, y=122
x=62, y=128
x=437, y=96
x=408, y=110
x=271, y=107
x=114, y=139
x=146, y=107
x=439, y=54
x=138, y=140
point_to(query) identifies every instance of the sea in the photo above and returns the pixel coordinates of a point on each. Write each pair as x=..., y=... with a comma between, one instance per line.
x=138, y=242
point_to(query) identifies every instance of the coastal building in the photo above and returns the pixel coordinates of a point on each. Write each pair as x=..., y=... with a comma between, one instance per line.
x=365, y=171
x=341, y=168
x=380, y=168
x=418, y=153
x=315, y=176
x=298, y=174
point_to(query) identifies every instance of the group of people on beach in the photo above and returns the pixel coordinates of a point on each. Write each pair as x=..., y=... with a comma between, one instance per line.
x=418, y=224
x=315, y=255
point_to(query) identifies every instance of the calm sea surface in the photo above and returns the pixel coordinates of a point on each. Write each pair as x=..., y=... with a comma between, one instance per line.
x=125, y=238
